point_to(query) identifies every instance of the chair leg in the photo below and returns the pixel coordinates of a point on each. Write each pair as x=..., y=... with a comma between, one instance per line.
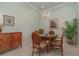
x=48, y=47
x=62, y=51
x=39, y=52
x=32, y=51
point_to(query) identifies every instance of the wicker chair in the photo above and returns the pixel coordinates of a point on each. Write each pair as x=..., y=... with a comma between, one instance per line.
x=37, y=42
x=51, y=32
x=41, y=31
x=59, y=43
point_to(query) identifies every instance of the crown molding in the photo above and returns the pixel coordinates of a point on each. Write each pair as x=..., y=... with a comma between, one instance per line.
x=52, y=8
x=61, y=5
x=30, y=5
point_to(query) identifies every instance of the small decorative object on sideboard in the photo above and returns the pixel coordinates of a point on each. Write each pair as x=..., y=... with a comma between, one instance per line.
x=1, y=27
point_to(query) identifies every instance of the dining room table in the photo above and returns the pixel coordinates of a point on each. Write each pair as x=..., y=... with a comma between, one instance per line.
x=49, y=39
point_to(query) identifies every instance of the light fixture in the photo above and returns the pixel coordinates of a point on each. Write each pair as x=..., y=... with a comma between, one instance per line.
x=44, y=12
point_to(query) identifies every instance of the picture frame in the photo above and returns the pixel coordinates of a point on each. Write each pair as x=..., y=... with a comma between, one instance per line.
x=54, y=23
x=8, y=20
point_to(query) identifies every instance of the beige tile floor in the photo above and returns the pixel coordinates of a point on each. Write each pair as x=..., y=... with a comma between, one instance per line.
x=26, y=50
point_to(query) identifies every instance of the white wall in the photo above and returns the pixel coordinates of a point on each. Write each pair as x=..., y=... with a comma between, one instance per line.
x=26, y=18
x=64, y=13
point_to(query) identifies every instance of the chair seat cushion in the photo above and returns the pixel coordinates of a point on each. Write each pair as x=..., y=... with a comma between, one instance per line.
x=42, y=45
x=58, y=43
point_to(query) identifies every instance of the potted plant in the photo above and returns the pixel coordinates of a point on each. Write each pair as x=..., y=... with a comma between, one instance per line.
x=70, y=30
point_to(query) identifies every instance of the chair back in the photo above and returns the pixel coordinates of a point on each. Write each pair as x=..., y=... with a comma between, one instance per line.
x=36, y=38
x=41, y=31
x=62, y=39
x=51, y=32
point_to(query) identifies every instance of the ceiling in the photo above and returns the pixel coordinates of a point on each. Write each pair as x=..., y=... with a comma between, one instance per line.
x=45, y=5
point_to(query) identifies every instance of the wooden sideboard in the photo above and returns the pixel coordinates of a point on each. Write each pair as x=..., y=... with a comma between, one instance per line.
x=9, y=41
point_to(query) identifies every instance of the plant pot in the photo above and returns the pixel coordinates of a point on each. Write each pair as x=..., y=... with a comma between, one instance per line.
x=70, y=41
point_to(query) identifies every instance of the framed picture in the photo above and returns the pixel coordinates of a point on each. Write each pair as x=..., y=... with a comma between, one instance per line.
x=54, y=23
x=8, y=20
